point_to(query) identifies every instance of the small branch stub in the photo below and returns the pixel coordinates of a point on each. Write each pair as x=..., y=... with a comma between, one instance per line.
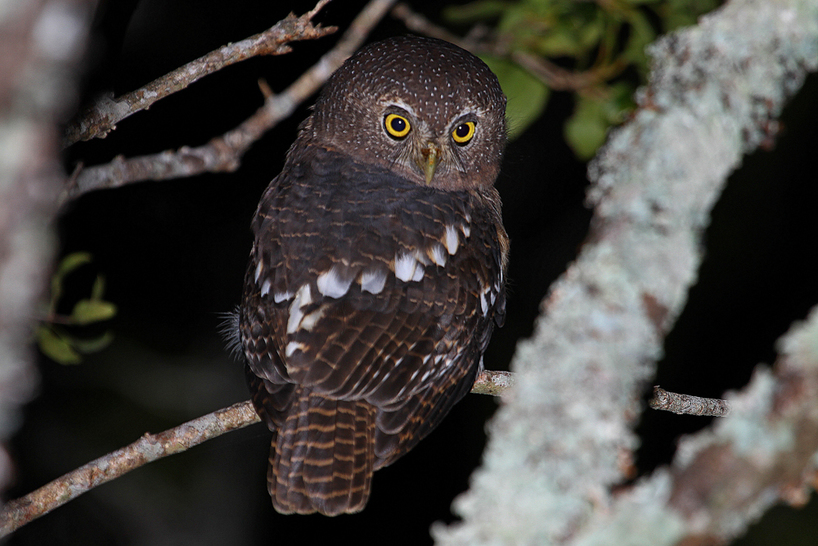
x=685, y=404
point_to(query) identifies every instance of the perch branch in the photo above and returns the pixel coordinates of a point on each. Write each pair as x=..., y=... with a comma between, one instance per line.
x=151, y=447
x=685, y=404
x=101, y=118
x=222, y=154
x=148, y=448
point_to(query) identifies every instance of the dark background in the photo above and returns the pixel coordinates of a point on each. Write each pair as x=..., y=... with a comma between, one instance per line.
x=173, y=254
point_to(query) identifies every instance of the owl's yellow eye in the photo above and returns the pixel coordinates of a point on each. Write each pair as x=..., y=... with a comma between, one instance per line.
x=463, y=133
x=397, y=126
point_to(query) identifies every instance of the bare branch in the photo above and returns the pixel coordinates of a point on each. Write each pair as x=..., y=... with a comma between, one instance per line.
x=152, y=447
x=685, y=404
x=101, y=117
x=223, y=153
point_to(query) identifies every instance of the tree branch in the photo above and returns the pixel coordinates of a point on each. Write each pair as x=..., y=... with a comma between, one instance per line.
x=101, y=118
x=152, y=447
x=223, y=153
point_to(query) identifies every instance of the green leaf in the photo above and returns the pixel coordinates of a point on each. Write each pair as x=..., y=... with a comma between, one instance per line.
x=88, y=311
x=585, y=130
x=641, y=34
x=66, y=266
x=99, y=288
x=72, y=261
x=95, y=344
x=527, y=96
x=57, y=347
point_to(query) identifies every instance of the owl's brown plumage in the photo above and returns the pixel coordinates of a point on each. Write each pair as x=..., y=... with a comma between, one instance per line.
x=377, y=272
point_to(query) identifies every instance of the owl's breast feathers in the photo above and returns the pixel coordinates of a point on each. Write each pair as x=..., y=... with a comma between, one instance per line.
x=368, y=304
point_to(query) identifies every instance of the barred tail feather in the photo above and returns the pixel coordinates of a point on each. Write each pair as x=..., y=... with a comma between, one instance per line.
x=322, y=458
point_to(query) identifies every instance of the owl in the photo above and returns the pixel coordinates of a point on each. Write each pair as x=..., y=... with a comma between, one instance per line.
x=377, y=271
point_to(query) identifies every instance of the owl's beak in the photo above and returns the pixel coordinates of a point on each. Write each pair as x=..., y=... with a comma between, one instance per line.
x=428, y=160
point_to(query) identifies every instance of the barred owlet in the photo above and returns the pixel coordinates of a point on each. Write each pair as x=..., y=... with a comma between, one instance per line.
x=377, y=271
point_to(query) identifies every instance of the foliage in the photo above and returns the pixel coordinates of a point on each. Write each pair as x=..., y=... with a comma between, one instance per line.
x=56, y=336
x=595, y=49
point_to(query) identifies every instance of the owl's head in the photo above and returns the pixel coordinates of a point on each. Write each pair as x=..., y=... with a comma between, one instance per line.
x=424, y=108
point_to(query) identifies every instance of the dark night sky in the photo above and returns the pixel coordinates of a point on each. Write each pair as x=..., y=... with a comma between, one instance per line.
x=173, y=254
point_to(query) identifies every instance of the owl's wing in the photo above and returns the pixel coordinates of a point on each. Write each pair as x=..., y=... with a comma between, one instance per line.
x=364, y=288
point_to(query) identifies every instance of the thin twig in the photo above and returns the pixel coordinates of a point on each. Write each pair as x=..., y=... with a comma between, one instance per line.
x=222, y=154
x=151, y=447
x=101, y=118
x=685, y=404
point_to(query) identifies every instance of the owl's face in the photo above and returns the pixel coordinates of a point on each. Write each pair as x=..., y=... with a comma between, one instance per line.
x=423, y=108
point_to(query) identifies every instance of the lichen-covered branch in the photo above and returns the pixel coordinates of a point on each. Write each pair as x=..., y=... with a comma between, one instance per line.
x=724, y=478
x=556, y=446
x=762, y=454
x=102, y=117
x=223, y=153
x=151, y=447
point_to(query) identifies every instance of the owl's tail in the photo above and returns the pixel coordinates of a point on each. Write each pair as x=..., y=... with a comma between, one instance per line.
x=321, y=459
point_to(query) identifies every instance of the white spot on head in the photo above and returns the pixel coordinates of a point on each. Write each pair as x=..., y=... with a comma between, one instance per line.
x=373, y=281
x=265, y=287
x=450, y=240
x=466, y=230
x=418, y=276
x=259, y=269
x=484, y=304
x=405, y=265
x=331, y=284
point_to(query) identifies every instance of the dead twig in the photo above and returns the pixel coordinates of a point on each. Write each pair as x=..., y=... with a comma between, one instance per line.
x=492, y=382
x=685, y=404
x=151, y=447
x=223, y=153
x=101, y=118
